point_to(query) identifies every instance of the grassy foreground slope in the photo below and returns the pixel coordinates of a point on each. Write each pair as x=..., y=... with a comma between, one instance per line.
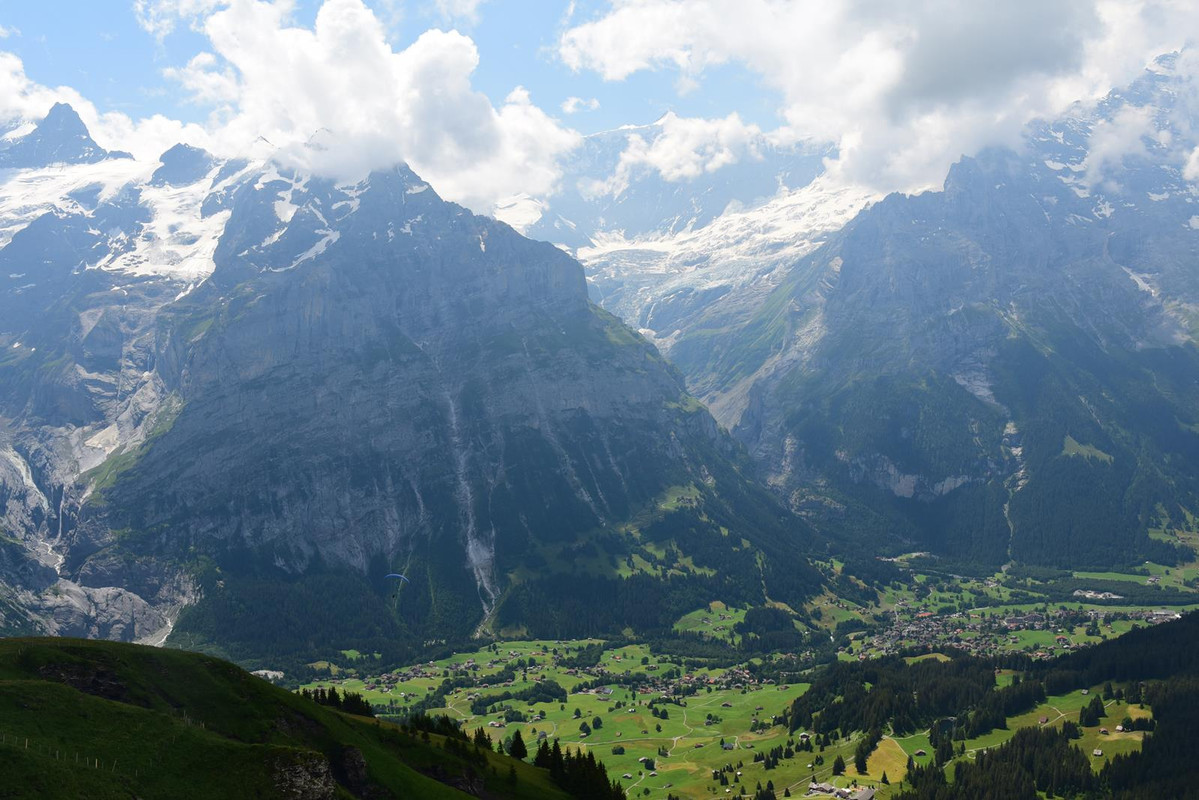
x=100, y=719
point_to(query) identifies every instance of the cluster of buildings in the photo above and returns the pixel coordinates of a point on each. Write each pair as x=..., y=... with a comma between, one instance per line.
x=983, y=634
x=828, y=790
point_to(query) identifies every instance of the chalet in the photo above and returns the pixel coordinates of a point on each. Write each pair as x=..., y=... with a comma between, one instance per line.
x=920, y=753
x=1103, y=731
x=1097, y=752
x=1042, y=720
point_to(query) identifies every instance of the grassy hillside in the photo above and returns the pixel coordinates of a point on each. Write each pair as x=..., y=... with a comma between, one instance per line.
x=100, y=719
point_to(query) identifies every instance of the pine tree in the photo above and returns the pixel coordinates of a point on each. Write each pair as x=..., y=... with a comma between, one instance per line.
x=517, y=749
x=543, y=758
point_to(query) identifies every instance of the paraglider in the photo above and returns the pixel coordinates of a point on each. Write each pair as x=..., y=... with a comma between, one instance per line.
x=399, y=577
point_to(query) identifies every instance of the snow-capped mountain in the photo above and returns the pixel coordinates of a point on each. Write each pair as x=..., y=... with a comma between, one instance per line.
x=224, y=381
x=676, y=252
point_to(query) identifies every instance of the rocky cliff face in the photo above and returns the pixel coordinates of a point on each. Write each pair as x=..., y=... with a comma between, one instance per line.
x=1003, y=369
x=77, y=378
x=274, y=383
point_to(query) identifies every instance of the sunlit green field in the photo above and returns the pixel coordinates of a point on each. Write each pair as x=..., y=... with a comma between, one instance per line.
x=678, y=754
x=1061, y=708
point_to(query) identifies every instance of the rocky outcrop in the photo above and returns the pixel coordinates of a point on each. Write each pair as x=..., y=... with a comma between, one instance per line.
x=304, y=776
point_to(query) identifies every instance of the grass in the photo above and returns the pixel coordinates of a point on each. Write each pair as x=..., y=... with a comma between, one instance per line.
x=690, y=736
x=1072, y=447
x=890, y=758
x=1058, y=709
x=927, y=657
x=714, y=622
x=105, y=475
x=100, y=719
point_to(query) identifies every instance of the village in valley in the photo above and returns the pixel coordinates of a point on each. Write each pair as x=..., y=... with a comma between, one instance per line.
x=668, y=725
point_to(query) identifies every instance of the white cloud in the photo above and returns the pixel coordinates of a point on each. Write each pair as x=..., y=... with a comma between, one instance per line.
x=159, y=17
x=1113, y=141
x=573, y=105
x=339, y=83
x=6, y=32
x=267, y=77
x=1191, y=170
x=902, y=89
x=680, y=149
x=466, y=10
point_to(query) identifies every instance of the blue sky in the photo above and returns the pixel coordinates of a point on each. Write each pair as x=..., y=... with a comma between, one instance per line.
x=99, y=49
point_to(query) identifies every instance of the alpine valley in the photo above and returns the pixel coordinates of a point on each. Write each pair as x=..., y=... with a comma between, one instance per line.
x=804, y=470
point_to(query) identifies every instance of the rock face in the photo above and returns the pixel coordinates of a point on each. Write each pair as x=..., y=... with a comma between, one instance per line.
x=304, y=776
x=1005, y=369
x=276, y=390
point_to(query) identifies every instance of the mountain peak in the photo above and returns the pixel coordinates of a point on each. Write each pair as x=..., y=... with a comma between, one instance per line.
x=182, y=165
x=63, y=118
x=60, y=138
